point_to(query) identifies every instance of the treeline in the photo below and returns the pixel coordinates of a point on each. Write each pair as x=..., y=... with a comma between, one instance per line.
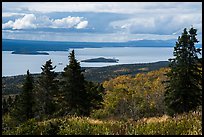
x=49, y=96
x=13, y=84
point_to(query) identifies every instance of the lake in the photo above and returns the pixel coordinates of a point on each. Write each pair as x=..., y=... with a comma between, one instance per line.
x=18, y=64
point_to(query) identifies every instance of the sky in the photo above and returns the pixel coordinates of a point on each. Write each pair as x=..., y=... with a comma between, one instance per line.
x=99, y=21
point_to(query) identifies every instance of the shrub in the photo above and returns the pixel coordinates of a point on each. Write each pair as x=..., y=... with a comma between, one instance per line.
x=134, y=97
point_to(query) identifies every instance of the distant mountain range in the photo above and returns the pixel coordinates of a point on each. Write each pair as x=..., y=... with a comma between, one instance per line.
x=31, y=45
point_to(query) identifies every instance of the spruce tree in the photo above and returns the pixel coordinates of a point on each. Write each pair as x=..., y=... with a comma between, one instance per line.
x=184, y=90
x=75, y=95
x=24, y=106
x=95, y=95
x=47, y=89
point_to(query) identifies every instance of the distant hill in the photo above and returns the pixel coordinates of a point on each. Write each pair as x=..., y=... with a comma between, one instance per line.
x=31, y=45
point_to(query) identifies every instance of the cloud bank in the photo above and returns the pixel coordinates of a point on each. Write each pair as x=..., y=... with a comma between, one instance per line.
x=114, y=7
x=30, y=21
x=160, y=24
x=87, y=20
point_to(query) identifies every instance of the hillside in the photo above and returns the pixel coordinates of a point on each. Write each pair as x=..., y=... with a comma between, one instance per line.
x=13, y=84
x=133, y=105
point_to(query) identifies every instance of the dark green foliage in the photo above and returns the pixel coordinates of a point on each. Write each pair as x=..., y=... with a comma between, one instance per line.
x=95, y=95
x=75, y=95
x=12, y=85
x=47, y=89
x=27, y=96
x=4, y=107
x=184, y=90
x=24, y=107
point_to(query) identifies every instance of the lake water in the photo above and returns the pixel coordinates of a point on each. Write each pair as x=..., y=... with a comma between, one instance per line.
x=16, y=64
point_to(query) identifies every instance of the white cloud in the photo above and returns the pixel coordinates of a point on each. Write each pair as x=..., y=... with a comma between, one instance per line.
x=9, y=24
x=82, y=25
x=31, y=21
x=68, y=22
x=26, y=22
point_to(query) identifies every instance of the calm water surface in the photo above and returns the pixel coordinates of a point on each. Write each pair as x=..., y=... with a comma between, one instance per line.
x=16, y=64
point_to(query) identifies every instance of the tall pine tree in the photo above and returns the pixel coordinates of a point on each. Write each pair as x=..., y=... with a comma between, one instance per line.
x=75, y=94
x=184, y=90
x=25, y=104
x=47, y=89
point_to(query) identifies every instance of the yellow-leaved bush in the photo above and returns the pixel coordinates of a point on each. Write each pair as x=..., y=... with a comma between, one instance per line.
x=134, y=97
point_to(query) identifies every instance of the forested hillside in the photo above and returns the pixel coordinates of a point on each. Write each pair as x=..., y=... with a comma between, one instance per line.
x=13, y=84
x=133, y=105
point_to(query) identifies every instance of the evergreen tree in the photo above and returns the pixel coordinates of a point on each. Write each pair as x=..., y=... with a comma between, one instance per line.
x=74, y=88
x=47, y=89
x=23, y=109
x=184, y=90
x=95, y=95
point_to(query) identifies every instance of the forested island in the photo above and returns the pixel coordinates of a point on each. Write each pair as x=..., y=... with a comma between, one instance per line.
x=101, y=59
x=30, y=52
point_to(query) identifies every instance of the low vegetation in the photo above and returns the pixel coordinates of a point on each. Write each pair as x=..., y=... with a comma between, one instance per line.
x=183, y=124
